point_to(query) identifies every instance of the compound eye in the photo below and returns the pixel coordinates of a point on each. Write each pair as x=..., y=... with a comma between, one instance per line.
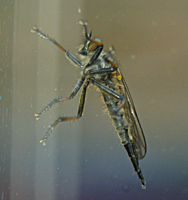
x=93, y=46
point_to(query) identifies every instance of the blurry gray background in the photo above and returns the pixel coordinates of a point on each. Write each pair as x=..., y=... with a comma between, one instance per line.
x=84, y=159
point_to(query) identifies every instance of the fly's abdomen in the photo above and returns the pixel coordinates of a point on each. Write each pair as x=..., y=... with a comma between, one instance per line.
x=123, y=129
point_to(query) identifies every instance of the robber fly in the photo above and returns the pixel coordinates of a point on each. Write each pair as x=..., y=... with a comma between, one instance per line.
x=101, y=69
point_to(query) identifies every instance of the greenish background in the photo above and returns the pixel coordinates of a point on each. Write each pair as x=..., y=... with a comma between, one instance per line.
x=84, y=159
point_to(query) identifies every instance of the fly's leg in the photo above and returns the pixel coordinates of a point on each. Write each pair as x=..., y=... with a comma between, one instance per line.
x=67, y=53
x=128, y=144
x=111, y=93
x=72, y=95
x=84, y=24
x=38, y=115
x=66, y=119
x=100, y=71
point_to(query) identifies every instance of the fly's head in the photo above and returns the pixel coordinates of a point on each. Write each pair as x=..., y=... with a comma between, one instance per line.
x=89, y=46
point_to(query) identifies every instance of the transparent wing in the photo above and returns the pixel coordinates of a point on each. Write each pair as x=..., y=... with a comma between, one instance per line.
x=136, y=129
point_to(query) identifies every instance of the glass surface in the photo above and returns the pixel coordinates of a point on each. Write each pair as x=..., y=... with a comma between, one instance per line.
x=84, y=159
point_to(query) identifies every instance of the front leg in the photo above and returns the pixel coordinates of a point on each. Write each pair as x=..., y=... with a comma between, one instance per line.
x=67, y=53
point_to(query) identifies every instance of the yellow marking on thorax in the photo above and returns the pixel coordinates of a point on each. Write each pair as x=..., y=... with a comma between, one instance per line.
x=119, y=76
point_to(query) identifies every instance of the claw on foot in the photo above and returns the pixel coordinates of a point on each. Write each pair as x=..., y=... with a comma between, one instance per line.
x=144, y=185
x=82, y=22
x=43, y=141
x=37, y=116
x=34, y=29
